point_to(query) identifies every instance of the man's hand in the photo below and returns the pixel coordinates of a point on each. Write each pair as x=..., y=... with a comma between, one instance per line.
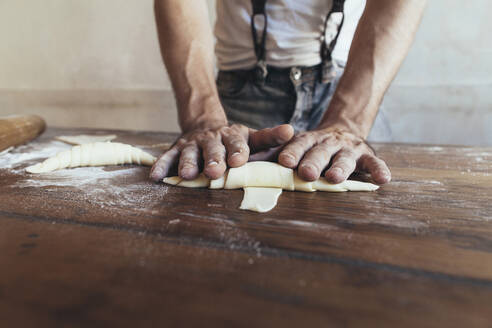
x=381, y=41
x=339, y=151
x=215, y=149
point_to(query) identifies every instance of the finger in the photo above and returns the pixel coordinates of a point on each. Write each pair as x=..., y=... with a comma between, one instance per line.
x=293, y=151
x=315, y=160
x=164, y=163
x=188, y=162
x=378, y=169
x=266, y=155
x=237, y=149
x=268, y=138
x=213, y=157
x=343, y=164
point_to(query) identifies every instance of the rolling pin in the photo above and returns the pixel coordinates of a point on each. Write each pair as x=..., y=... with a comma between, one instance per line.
x=18, y=129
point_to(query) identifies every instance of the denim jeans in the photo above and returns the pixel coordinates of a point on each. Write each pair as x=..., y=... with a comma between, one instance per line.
x=287, y=95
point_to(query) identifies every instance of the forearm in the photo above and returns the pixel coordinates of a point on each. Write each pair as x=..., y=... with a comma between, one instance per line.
x=381, y=42
x=186, y=42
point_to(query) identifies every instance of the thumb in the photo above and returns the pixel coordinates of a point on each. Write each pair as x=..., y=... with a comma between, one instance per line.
x=271, y=137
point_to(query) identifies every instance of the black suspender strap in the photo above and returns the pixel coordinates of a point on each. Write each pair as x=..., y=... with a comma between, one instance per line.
x=259, y=10
x=334, y=20
x=333, y=25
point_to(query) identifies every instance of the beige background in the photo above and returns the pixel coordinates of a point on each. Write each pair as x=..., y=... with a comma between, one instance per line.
x=97, y=63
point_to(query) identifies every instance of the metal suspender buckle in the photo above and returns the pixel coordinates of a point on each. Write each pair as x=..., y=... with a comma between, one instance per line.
x=261, y=71
x=328, y=71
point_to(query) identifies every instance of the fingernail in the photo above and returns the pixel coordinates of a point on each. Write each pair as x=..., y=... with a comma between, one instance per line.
x=212, y=163
x=236, y=153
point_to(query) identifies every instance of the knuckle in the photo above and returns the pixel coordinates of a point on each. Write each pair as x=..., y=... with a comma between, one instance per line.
x=344, y=165
x=189, y=146
x=181, y=142
x=290, y=152
x=216, y=154
x=303, y=137
x=297, y=147
x=226, y=131
x=311, y=164
x=186, y=163
x=329, y=139
x=237, y=127
x=189, y=155
x=325, y=147
x=348, y=152
x=235, y=140
x=208, y=135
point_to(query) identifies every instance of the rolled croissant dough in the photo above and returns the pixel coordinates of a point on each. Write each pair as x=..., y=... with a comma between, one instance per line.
x=84, y=138
x=94, y=154
x=263, y=182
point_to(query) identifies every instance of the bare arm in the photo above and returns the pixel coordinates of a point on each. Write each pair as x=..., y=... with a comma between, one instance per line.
x=186, y=41
x=381, y=42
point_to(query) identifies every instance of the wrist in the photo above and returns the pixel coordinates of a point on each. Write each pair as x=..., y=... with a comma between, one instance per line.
x=355, y=118
x=210, y=115
x=342, y=124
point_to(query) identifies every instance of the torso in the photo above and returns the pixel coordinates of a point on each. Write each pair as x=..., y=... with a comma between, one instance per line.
x=293, y=33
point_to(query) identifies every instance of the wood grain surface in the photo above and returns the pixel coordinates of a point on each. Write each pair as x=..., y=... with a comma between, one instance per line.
x=105, y=247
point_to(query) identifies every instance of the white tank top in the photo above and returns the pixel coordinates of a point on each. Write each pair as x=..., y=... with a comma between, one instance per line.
x=293, y=32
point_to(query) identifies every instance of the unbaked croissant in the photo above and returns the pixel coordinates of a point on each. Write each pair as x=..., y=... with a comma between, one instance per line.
x=94, y=154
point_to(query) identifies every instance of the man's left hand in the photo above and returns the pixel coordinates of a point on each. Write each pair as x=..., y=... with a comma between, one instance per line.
x=340, y=151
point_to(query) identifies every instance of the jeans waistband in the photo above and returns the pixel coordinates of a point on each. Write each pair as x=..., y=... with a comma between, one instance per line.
x=278, y=74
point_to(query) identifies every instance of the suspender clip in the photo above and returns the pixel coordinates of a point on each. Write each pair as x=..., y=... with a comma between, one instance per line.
x=261, y=71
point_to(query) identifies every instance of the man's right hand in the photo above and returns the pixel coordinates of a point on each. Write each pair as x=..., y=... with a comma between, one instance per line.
x=216, y=149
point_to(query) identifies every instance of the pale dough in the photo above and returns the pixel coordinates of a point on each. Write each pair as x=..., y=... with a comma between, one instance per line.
x=260, y=199
x=94, y=154
x=261, y=175
x=84, y=139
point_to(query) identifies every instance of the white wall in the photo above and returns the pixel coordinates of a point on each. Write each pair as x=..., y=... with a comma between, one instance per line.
x=74, y=44
x=443, y=93
x=97, y=63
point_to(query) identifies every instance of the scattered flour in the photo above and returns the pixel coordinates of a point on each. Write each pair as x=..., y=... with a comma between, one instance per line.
x=5, y=151
x=23, y=156
x=435, y=148
x=96, y=176
x=434, y=182
x=104, y=185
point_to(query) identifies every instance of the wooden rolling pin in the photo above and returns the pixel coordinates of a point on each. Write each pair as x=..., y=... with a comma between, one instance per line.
x=18, y=129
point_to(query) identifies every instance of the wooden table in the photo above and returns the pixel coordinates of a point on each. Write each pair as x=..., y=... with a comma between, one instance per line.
x=106, y=247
